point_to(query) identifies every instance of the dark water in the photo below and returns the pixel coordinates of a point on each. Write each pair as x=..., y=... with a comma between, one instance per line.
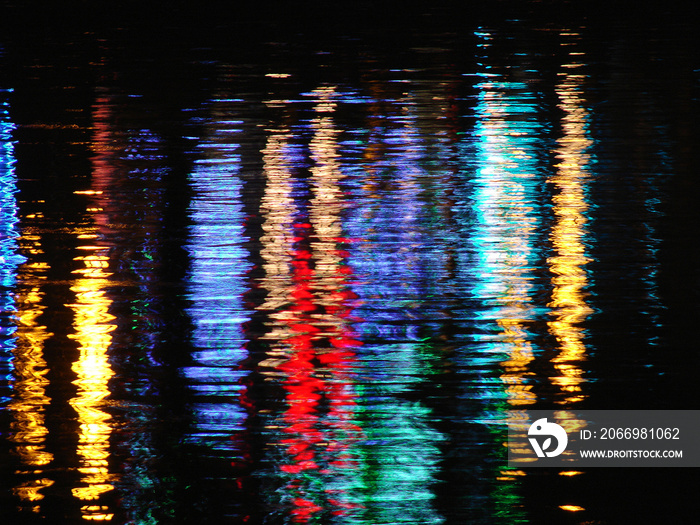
x=281, y=266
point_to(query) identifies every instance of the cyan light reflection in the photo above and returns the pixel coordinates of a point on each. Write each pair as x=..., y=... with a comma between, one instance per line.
x=216, y=284
x=506, y=220
x=9, y=258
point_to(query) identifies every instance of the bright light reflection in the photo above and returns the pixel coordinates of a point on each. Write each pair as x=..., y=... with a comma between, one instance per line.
x=217, y=285
x=30, y=399
x=507, y=220
x=92, y=331
x=310, y=339
x=571, y=508
x=24, y=339
x=568, y=301
x=397, y=261
x=93, y=325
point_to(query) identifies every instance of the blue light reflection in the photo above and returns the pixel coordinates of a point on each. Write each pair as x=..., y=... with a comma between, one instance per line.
x=9, y=258
x=216, y=288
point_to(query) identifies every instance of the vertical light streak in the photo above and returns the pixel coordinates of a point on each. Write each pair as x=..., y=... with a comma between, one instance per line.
x=506, y=223
x=310, y=337
x=24, y=340
x=277, y=209
x=216, y=286
x=506, y=237
x=333, y=300
x=326, y=205
x=397, y=263
x=29, y=398
x=93, y=326
x=568, y=301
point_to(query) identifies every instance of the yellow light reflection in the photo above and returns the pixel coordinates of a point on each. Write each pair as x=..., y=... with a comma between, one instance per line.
x=28, y=428
x=515, y=367
x=30, y=490
x=92, y=331
x=96, y=513
x=571, y=508
x=572, y=424
x=568, y=301
x=510, y=475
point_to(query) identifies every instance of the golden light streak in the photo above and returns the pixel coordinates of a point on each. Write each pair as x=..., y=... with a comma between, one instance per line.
x=31, y=490
x=28, y=428
x=510, y=475
x=92, y=331
x=96, y=513
x=568, y=301
x=515, y=367
x=569, y=421
x=92, y=326
x=571, y=508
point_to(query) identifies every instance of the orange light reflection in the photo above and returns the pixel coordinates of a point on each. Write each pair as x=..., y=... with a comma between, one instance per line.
x=28, y=428
x=568, y=301
x=93, y=324
x=92, y=331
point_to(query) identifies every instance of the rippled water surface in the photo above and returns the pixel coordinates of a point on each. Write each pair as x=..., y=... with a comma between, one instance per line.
x=282, y=268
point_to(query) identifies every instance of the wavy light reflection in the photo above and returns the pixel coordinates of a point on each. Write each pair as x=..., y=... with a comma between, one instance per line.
x=399, y=262
x=125, y=196
x=24, y=338
x=570, y=206
x=30, y=399
x=93, y=325
x=217, y=287
x=311, y=339
x=507, y=219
